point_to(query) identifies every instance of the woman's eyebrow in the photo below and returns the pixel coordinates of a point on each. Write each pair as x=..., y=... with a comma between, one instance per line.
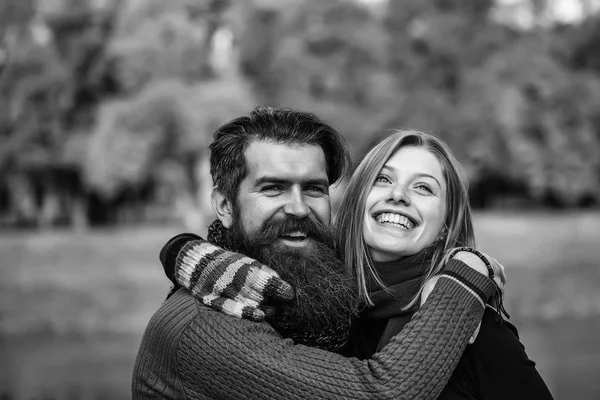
x=422, y=174
x=418, y=175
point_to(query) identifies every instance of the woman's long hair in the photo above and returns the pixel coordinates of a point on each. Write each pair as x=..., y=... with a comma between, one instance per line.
x=458, y=225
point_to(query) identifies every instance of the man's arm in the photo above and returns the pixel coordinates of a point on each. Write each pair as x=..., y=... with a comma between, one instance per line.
x=229, y=358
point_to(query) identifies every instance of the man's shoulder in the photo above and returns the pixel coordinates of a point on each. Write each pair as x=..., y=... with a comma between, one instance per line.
x=183, y=318
x=155, y=373
x=176, y=313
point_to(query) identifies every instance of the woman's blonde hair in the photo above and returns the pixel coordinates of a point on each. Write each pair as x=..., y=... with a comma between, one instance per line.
x=458, y=225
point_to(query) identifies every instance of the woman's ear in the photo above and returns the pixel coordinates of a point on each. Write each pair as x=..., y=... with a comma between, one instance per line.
x=223, y=207
x=442, y=235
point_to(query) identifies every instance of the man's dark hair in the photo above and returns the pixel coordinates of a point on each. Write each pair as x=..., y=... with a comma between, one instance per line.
x=272, y=124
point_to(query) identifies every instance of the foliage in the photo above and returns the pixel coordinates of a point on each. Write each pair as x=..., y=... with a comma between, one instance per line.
x=55, y=77
x=123, y=93
x=171, y=99
x=498, y=96
x=168, y=121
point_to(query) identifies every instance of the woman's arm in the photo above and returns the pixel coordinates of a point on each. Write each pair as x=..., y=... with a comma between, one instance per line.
x=229, y=357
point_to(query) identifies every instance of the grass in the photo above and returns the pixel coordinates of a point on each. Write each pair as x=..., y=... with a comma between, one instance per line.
x=73, y=306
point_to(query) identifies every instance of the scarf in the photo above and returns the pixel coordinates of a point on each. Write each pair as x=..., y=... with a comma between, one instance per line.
x=379, y=323
x=219, y=235
x=403, y=279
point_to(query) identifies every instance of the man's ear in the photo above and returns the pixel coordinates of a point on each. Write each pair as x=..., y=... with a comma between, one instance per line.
x=222, y=207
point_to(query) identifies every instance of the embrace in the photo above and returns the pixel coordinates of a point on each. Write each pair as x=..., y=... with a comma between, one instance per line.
x=390, y=300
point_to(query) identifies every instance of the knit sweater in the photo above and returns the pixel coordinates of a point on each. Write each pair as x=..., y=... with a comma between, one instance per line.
x=190, y=351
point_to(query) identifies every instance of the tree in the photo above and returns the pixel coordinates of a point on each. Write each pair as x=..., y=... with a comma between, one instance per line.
x=53, y=83
x=160, y=138
x=546, y=119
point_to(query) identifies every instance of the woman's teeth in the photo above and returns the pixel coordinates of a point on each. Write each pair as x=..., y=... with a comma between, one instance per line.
x=395, y=219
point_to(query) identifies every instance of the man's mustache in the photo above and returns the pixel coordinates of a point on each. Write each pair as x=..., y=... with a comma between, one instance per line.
x=276, y=227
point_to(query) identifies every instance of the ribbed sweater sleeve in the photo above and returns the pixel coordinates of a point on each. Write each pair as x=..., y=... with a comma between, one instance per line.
x=227, y=358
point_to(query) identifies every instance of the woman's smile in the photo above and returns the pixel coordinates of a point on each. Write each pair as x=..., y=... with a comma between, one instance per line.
x=406, y=206
x=395, y=220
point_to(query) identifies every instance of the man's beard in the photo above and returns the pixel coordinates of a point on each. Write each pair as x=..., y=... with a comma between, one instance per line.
x=326, y=302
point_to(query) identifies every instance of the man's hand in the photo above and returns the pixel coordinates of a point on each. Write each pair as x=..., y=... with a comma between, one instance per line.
x=473, y=261
x=499, y=273
x=229, y=282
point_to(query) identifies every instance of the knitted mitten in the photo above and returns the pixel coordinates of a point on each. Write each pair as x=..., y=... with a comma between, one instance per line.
x=229, y=282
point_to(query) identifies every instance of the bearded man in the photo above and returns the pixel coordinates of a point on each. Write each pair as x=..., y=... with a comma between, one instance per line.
x=271, y=172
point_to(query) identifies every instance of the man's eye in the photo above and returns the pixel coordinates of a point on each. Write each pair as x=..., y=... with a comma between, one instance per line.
x=316, y=189
x=271, y=188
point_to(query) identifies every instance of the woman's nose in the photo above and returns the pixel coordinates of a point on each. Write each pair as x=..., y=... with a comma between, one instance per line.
x=400, y=195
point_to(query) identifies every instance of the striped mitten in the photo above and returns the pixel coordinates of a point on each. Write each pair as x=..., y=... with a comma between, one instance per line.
x=229, y=282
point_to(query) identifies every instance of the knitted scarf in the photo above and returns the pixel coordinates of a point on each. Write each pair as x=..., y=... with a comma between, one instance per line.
x=403, y=278
x=219, y=235
x=376, y=325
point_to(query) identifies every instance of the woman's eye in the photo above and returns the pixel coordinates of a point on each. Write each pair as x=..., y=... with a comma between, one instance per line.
x=425, y=188
x=382, y=178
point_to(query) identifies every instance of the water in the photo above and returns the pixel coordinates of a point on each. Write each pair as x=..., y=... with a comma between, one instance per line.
x=567, y=353
x=70, y=367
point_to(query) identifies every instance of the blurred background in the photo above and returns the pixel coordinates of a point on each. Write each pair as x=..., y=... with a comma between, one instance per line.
x=107, y=108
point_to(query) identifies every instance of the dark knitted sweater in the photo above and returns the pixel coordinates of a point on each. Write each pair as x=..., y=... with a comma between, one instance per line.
x=190, y=351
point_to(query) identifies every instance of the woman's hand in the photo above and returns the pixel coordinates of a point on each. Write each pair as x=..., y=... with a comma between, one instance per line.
x=234, y=284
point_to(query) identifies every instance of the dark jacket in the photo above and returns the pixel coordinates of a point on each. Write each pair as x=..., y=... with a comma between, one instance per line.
x=496, y=366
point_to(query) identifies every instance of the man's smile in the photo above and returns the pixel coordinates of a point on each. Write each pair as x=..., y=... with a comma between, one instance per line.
x=295, y=238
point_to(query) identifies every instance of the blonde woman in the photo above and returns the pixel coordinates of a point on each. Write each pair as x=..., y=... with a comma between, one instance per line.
x=394, y=233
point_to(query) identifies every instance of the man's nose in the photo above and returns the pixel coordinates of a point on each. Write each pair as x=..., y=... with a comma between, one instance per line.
x=296, y=205
x=399, y=194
